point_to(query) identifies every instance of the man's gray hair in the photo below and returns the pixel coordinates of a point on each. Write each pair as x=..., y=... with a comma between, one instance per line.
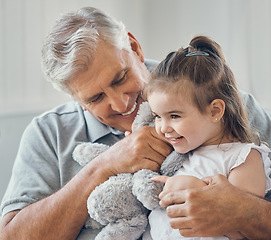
x=70, y=46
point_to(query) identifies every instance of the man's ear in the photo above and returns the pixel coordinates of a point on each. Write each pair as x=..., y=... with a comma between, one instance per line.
x=217, y=108
x=136, y=47
x=83, y=107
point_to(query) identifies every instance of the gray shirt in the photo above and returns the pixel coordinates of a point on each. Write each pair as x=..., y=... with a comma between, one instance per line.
x=44, y=161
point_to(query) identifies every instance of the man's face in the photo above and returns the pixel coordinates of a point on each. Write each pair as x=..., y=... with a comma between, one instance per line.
x=111, y=88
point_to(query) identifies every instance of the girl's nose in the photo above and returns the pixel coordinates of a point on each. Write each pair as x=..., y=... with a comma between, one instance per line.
x=165, y=127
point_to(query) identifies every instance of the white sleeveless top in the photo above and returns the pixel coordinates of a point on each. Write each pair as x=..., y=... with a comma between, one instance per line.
x=206, y=161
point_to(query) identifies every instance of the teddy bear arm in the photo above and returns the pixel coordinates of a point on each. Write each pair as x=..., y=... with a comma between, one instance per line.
x=146, y=190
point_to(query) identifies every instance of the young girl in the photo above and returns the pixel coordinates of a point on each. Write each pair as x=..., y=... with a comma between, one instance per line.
x=197, y=109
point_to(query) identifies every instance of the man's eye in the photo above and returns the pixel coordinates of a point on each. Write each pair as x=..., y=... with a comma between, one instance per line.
x=96, y=99
x=121, y=80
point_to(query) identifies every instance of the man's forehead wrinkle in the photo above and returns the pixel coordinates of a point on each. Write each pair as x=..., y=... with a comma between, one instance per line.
x=109, y=81
x=100, y=86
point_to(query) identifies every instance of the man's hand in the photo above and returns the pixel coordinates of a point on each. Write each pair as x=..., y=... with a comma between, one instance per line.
x=143, y=149
x=214, y=210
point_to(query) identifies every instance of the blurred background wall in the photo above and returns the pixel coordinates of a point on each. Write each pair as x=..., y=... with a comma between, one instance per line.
x=241, y=27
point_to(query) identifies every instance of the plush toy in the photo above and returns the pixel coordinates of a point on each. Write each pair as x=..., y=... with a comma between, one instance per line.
x=120, y=205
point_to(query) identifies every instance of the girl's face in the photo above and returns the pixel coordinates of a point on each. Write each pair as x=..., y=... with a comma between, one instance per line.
x=179, y=121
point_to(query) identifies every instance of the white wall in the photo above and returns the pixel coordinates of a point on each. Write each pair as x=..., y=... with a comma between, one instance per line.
x=242, y=27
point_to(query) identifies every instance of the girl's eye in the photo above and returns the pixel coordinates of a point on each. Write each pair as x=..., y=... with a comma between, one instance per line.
x=174, y=116
x=156, y=116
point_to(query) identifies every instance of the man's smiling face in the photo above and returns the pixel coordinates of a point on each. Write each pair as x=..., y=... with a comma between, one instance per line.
x=111, y=87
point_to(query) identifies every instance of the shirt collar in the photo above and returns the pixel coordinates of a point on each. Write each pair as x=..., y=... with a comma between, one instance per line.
x=96, y=129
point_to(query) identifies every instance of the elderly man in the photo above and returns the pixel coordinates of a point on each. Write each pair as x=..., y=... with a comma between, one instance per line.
x=94, y=59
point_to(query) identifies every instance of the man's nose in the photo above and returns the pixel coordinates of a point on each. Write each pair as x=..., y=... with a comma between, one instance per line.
x=118, y=101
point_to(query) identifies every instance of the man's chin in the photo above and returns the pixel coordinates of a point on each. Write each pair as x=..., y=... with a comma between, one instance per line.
x=124, y=122
x=127, y=126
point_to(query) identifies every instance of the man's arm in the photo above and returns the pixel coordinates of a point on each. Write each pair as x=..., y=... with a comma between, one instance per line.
x=59, y=216
x=63, y=214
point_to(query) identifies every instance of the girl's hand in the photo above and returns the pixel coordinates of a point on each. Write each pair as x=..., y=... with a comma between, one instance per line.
x=176, y=183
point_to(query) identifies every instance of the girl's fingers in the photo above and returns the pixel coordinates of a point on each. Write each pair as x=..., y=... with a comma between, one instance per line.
x=161, y=179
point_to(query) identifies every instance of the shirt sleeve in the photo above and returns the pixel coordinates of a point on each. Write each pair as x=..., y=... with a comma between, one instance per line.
x=35, y=173
x=259, y=118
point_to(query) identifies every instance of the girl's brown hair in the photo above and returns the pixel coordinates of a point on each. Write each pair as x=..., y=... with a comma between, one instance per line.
x=203, y=64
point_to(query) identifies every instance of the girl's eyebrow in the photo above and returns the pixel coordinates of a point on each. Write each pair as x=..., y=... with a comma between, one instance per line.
x=175, y=111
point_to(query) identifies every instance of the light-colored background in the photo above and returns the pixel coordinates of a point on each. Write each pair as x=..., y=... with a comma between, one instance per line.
x=242, y=27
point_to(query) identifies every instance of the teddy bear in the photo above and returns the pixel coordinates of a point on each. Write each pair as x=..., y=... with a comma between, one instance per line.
x=120, y=206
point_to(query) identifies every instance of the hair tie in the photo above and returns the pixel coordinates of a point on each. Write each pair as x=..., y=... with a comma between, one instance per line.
x=197, y=53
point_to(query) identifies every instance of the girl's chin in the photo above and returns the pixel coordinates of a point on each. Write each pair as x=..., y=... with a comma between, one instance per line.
x=181, y=150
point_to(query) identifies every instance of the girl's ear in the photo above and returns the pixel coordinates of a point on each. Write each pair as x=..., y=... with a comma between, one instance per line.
x=136, y=47
x=217, y=107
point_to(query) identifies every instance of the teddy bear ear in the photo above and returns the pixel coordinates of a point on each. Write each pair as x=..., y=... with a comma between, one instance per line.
x=144, y=117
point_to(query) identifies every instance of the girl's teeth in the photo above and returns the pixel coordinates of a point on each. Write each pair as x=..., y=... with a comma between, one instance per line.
x=132, y=110
x=174, y=139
